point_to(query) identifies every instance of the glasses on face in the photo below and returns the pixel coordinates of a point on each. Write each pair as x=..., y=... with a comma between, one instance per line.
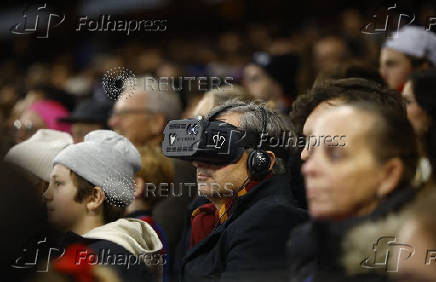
x=24, y=129
x=23, y=125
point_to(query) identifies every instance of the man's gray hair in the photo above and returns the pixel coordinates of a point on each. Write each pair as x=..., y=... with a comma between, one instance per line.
x=252, y=118
x=160, y=97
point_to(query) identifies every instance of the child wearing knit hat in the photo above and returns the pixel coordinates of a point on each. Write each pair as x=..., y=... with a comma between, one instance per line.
x=91, y=184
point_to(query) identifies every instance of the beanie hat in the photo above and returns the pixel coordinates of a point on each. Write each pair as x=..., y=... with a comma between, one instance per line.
x=414, y=41
x=105, y=159
x=36, y=154
x=50, y=112
x=281, y=68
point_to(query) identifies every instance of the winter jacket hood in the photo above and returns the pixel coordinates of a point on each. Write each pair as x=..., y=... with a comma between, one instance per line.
x=135, y=235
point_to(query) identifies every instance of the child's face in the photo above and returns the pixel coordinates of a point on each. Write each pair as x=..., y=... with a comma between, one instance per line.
x=63, y=211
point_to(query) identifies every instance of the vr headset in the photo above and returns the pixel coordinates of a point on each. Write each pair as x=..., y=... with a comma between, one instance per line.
x=213, y=142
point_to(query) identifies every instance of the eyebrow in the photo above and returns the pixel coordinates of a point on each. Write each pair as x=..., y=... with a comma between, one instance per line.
x=55, y=176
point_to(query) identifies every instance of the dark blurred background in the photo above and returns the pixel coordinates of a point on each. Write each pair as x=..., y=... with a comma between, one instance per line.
x=190, y=38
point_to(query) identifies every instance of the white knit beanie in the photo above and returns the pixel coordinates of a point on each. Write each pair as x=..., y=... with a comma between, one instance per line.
x=36, y=154
x=414, y=41
x=105, y=159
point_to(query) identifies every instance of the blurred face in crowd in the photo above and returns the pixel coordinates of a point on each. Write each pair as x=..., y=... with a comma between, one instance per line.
x=28, y=123
x=79, y=130
x=328, y=54
x=416, y=115
x=345, y=181
x=310, y=122
x=63, y=211
x=132, y=119
x=217, y=182
x=259, y=84
x=395, y=67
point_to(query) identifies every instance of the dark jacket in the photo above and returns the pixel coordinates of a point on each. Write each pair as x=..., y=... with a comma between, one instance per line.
x=315, y=248
x=250, y=244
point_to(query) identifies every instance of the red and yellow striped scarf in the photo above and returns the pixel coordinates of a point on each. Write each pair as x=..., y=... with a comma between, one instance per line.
x=206, y=217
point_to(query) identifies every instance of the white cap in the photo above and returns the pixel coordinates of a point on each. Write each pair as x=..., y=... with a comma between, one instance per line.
x=414, y=41
x=37, y=153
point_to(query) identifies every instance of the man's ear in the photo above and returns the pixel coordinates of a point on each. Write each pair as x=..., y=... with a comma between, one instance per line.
x=96, y=199
x=392, y=172
x=139, y=187
x=272, y=156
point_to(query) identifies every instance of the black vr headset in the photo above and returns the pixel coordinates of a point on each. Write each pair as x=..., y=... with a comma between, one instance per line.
x=215, y=142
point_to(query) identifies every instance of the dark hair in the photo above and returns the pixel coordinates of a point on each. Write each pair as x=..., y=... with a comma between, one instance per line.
x=424, y=88
x=85, y=189
x=252, y=119
x=22, y=215
x=347, y=90
x=417, y=62
x=351, y=70
x=51, y=93
x=393, y=135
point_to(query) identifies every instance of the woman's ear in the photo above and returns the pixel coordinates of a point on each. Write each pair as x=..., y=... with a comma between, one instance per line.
x=392, y=172
x=96, y=199
x=139, y=187
x=272, y=156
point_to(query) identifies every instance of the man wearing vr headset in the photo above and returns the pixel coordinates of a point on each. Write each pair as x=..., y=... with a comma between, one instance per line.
x=240, y=233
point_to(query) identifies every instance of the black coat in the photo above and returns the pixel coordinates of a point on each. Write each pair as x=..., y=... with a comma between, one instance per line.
x=315, y=248
x=250, y=244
